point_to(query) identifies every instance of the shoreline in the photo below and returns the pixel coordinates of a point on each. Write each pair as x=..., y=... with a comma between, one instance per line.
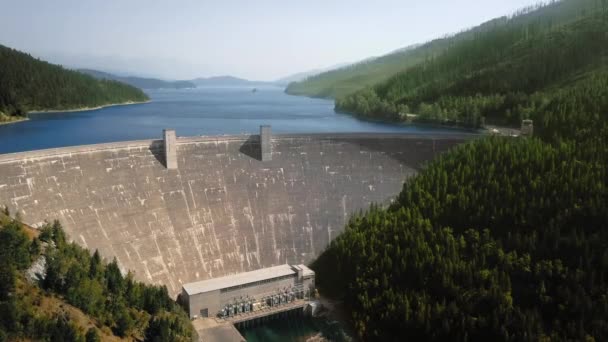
x=427, y=124
x=86, y=109
x=13, y=121
x=335, y=310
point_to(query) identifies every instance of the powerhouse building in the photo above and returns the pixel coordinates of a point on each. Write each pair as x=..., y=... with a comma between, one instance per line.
x=250, y=291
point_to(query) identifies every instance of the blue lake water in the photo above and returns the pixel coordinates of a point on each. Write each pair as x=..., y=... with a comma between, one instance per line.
x=200, y=111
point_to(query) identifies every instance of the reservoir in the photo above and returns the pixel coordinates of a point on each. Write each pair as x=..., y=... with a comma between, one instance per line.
x=199, y=111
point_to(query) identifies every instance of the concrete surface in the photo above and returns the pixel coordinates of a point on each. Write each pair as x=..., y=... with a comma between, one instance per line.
x=210, y=330
x=223, y=211
x=170, y=148
x=265, y=143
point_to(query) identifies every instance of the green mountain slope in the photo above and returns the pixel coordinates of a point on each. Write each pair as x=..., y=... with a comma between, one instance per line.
x=348, y=79
x=344, y=81
x=78, y=296
x=500, y=77
x=28, y=84
x=501, y=239
x=139, y=82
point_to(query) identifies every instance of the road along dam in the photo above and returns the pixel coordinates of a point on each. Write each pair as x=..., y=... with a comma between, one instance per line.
x=178, y=210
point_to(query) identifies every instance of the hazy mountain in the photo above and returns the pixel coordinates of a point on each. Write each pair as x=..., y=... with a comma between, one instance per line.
x=301, y=76
x=348, y=78
x=227, y=81
x=139, y=82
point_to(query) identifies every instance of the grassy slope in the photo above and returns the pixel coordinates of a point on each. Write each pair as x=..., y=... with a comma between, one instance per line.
x=347, y=80
x=53, y=306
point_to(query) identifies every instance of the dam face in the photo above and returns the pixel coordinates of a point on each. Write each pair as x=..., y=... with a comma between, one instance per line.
x=222, y=210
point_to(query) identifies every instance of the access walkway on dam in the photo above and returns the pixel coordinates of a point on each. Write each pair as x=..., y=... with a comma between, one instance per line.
x=220, y=208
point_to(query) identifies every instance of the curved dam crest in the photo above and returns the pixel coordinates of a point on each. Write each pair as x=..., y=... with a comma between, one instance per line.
x=223, y=210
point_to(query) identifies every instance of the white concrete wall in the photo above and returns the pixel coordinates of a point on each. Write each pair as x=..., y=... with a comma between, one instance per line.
x=222, y=211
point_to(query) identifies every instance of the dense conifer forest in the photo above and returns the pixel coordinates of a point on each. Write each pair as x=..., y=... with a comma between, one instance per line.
x=500, y=239
x=28, y=84
x=501, y=76
x=80, y=297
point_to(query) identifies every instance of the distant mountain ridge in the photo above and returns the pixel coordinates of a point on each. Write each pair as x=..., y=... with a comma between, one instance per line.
x=227, y=81
x=297, y=77
x=139, y=82
x=346, y=79
x=301, y=76
x=518, y=67
x=350, y=79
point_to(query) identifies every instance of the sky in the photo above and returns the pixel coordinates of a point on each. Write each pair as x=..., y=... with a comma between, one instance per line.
x=258, y=40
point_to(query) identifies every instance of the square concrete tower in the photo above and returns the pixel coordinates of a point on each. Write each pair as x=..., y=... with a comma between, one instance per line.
x=527, y=128
x=265, y=144
x=170, y=149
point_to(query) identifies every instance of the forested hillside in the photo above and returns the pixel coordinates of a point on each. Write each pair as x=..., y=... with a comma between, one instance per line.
x=102, y=304
x=139, y=82
x=500, y=239
x=344, y=81
x=511, y=72
x=28, y=84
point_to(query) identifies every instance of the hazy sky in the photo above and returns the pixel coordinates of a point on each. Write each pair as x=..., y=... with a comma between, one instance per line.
x=262, y=39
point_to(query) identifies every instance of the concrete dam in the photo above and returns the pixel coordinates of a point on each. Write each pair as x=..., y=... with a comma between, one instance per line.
x=179, y=210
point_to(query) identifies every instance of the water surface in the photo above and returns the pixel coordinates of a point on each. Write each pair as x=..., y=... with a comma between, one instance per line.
x=296, y=329
x=200, y=111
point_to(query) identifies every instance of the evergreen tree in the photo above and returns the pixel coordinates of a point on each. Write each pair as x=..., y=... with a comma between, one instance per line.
x=92, y=335
x=82, y=280
x=498, y=239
